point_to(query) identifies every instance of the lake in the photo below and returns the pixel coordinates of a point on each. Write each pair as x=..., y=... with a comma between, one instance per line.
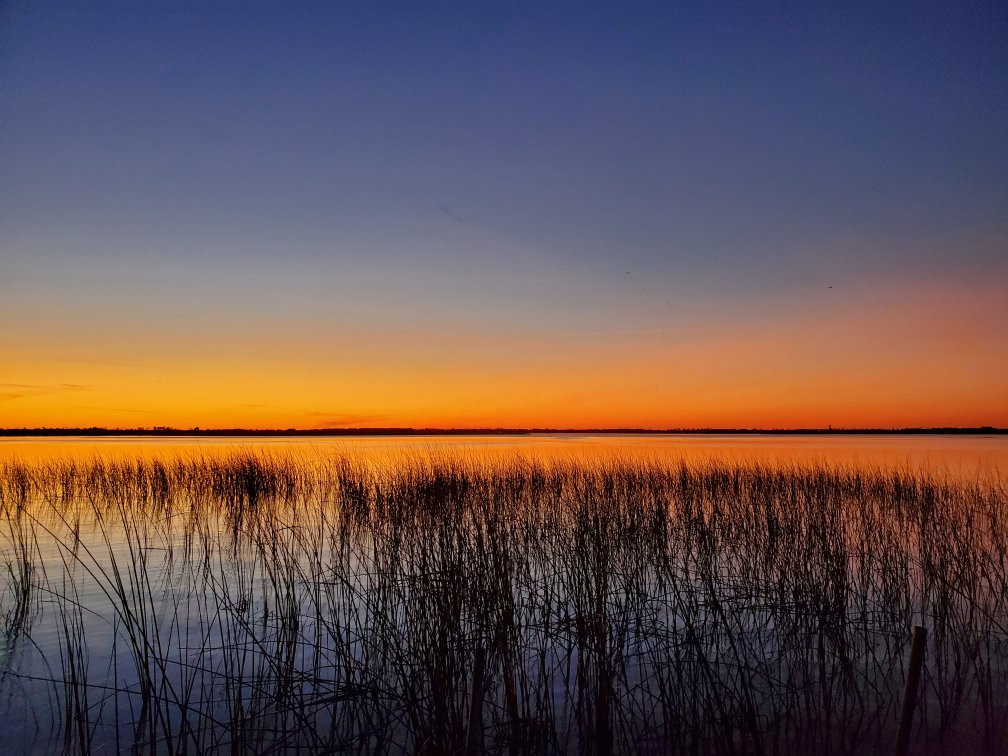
x=961, y=455
x=520, y=594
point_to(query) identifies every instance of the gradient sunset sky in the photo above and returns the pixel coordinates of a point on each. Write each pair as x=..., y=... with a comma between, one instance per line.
x=503, y=214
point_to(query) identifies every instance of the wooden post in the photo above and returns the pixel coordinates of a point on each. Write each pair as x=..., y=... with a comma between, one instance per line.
x=910, y=693
x=474, y=734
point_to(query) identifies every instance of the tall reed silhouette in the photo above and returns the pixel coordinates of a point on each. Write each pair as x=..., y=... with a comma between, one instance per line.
x=450, y=604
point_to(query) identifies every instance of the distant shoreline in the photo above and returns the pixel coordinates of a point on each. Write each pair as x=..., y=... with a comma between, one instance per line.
x=339, y=432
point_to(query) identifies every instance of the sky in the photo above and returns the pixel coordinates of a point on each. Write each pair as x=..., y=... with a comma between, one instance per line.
x=665, y=215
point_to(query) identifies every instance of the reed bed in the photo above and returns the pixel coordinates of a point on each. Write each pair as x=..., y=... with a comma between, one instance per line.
x=450, y=604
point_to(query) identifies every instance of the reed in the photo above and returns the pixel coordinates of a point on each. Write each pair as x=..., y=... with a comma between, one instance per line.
x=451, y=604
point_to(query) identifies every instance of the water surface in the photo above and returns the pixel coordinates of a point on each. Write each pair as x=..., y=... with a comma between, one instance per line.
x=303, y=594
x=960, y=455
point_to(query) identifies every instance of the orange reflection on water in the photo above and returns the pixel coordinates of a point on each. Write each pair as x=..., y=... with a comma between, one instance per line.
x=958, y=455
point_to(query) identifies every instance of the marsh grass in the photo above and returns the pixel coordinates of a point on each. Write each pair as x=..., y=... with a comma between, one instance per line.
x=447, y=604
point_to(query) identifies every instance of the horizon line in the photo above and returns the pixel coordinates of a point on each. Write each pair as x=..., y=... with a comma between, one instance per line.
x=159, y=430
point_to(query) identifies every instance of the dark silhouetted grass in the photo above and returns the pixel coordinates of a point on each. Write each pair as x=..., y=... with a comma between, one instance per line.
x=447, y=604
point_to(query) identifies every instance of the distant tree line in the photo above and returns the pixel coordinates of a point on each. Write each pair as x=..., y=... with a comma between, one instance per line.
x=164, y=430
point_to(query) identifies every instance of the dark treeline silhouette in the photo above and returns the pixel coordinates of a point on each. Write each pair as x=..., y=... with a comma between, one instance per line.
x=159, y=430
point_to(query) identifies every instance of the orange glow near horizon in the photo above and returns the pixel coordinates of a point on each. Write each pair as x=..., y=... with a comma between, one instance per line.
x=930, y=356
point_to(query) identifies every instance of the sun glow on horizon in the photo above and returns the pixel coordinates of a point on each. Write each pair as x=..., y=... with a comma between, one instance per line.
x=928, y=356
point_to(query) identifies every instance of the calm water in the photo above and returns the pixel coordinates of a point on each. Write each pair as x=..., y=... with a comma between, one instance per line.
x=966, y=456
x=127, y=614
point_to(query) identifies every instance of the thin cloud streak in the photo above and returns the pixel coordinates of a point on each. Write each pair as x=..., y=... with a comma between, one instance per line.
x=13, y=391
